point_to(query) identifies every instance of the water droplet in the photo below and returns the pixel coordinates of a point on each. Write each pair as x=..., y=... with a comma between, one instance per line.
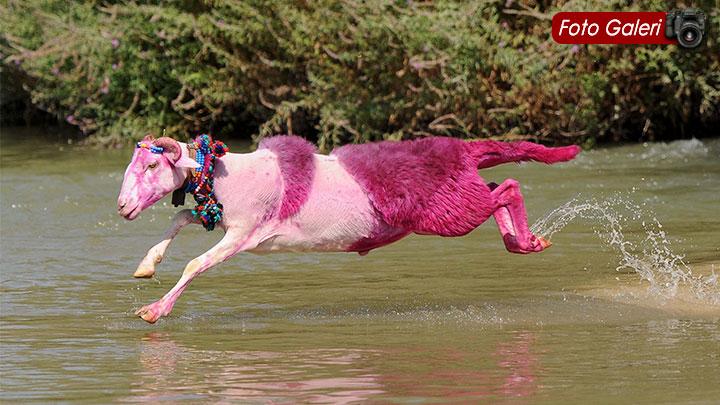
x=647, y=253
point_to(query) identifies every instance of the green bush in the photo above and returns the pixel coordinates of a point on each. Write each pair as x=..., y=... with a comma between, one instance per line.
x=353, y=70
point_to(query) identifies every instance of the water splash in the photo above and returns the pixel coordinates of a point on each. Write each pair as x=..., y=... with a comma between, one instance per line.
x=651, y=257
x=683, y=150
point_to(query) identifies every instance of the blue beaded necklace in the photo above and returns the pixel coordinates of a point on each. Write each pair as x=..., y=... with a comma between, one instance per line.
x=201, y=183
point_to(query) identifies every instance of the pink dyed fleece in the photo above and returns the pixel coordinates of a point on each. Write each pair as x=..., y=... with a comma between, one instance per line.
x=428, y=186
x=431, y=185
x=297, y=166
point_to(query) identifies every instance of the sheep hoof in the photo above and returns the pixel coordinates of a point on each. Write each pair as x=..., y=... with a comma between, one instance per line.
x=148, y=313
x=544, y=242
x=144, y=271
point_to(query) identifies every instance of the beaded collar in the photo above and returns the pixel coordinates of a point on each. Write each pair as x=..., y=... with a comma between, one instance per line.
x=200, y=181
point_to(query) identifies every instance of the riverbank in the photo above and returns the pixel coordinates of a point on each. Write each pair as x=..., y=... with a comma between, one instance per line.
x=352, y=72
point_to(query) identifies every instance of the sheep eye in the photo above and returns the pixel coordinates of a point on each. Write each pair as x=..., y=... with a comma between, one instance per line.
x=152, y=165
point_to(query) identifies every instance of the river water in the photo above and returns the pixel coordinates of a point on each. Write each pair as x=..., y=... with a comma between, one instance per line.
x=624, y=307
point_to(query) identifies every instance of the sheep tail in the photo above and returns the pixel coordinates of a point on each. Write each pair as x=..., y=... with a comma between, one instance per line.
x=493, y=153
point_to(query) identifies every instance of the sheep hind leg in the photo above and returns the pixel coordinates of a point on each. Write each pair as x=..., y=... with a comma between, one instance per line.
x=155, y=255
x=511, y=219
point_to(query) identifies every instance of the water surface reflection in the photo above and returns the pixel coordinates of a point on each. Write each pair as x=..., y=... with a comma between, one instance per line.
x=170, y=371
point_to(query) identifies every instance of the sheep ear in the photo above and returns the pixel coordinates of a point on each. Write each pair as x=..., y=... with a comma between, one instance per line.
x=185, y=161
x=176, y=154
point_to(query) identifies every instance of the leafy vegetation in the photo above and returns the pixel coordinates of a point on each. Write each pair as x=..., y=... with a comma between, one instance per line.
x=352, y=70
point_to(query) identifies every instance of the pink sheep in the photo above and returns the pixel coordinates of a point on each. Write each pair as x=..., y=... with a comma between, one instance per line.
x=286, y=197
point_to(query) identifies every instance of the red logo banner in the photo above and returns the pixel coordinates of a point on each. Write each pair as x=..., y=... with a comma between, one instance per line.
x=610, y=28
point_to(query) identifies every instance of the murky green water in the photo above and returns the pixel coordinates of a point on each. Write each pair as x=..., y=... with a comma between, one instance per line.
x=425, y=320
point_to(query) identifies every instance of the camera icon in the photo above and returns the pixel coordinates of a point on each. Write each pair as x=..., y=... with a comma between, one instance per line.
x=688, y=26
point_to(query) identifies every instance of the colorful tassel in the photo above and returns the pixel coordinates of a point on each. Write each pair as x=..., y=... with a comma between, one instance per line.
x=208, y=209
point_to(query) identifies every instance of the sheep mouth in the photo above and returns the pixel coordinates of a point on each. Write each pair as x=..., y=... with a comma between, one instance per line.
x=132, y=214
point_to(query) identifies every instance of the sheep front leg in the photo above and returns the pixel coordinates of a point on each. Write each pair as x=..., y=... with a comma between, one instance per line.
x=154, y=256
x=230, y=244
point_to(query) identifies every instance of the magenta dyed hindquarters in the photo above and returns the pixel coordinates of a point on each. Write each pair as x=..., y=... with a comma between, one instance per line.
x=427, y=186
x=297, y=166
